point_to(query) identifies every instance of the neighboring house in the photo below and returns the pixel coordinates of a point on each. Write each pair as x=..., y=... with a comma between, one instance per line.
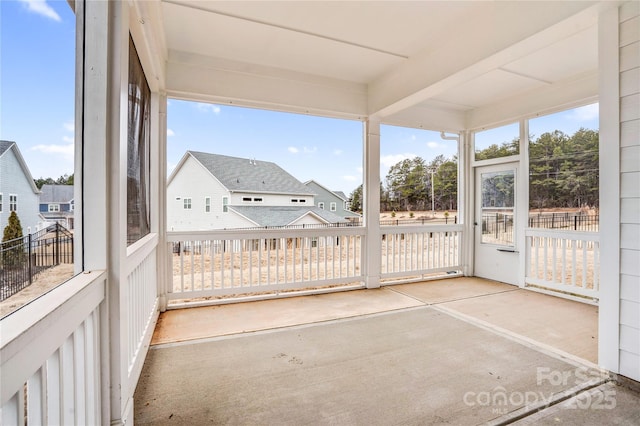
x=333, y=201
x=210, y=191
x=18, y=191
x=56, y=204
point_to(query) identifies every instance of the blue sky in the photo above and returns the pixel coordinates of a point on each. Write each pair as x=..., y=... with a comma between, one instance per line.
x=37, y=101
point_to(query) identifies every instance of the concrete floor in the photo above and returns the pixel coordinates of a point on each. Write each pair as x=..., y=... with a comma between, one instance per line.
x=421, y=353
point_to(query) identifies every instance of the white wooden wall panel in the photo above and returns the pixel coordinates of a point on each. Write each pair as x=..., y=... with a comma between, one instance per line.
x=629, y=42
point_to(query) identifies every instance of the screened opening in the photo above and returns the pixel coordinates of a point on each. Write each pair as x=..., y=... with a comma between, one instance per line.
x=37, y=152
x=498, y=142
x=564, y=170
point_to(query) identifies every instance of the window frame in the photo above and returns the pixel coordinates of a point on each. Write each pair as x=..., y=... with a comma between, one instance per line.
x=225, y=204
x=207, y=204
x=53, y=208
x=333, y=206
x=321, y=205
x=13, y=203
x=187, y=203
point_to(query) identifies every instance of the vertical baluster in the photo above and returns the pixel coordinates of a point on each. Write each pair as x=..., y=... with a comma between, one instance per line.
x=79, y=372
x=260, y=249
x=340, y=255
x=66, y=386
x=54, y=389
x=327, y=240
x=554, y=259
x=36, y=398
x=573, y=262
x=585, y=266
x=537, y=243
x=232, y=255
x=564, y=261
x=596, y=266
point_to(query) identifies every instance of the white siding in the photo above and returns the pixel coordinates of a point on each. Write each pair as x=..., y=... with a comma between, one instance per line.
x=193, y=181
x=14, y=181
x=307, y=219
x=629, y=37
x=270, y=199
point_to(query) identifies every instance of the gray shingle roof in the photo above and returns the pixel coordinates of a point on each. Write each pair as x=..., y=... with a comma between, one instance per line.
x=242, y=174
x=5, y=145
x=282, y=215
x=341, y=195
x=56, y=193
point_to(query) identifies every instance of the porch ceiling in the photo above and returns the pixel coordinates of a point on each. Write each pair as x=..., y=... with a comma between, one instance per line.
x=429, y=64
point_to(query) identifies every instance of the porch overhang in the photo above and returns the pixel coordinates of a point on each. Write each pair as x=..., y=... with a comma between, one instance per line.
x=437, y=65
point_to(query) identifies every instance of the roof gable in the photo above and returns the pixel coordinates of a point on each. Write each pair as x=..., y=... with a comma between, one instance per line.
x=5, y=146
x=245, y=175
x=313, y=184
x=283, y=216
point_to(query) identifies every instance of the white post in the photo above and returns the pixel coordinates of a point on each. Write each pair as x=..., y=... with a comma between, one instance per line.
x=522, y=202
x=371, y=203
x=466, y=207
x=164, y=261
x=609, y=98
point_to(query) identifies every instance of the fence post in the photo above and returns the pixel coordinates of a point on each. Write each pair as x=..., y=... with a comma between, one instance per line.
x=57, y=244
x=575, y=223
x=29, y=255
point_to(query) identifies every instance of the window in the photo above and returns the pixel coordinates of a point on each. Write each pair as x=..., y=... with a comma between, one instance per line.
x=332, y=207
x=294, y=200
x=187, y=203
x=13, y=203
x=71, y=206
x=138, y=149
x=246, y=199
x=302, y=200
x=225, y=204
x=207, y=204
x=0, y=202
x=257, y=199
x=321, y=205
x=54, y=208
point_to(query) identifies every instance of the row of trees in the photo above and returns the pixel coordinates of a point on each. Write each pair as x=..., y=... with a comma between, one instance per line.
x=62, y=180
x=563, y=172
x=410, y=183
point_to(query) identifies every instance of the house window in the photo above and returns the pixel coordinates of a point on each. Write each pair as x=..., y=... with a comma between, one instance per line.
x=53, y=208
x=71, y=206
x=138, y=149
x=13, y=203
x=302, y=200
x=294, y=200
x=225, y=204
x=321, y=205
x=0, y=202
x=207, y=204
x=247, y=199
x=257, y=199
x=187, y=203
x=332, y=207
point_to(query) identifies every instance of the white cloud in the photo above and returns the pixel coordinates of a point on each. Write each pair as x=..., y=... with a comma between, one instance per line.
x=66, y=151
x=433, y=145
x=69, y=126
x=390, y=160
x=337, y=152
x=585, y=113
x=293, y=150
x=208, y=108
x=41, y=8
x=308, y=150
x=360, y=170
x=68, y=139
x=413, y=137
x=170, y=133
x=351, y=178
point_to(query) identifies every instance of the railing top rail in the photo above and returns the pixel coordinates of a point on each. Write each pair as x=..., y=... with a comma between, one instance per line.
x=421, y=228
x=567, y=234
x=239, y=234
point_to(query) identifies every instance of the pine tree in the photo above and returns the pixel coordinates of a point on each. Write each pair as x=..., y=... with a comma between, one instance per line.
x=12, y=245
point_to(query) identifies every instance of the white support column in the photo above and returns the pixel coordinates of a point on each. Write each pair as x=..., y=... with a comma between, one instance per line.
x=159, y=187
x=522, y=201
x=609, y=98
x=466, y=209
x=371, y=203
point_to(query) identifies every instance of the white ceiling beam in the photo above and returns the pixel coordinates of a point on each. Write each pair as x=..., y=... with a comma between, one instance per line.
x=145, y=25
x=548, y=99
x=471, y=54
x=425, y=117
x=199, y=78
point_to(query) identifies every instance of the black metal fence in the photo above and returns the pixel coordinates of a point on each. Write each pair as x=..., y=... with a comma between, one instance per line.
x=567, y=221
x=22, y=259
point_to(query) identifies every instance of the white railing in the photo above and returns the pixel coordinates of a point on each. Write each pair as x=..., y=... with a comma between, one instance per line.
x=50, y=358
x=566, y=262
x=413, y=252
x=245, y=262
x=141, y=304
